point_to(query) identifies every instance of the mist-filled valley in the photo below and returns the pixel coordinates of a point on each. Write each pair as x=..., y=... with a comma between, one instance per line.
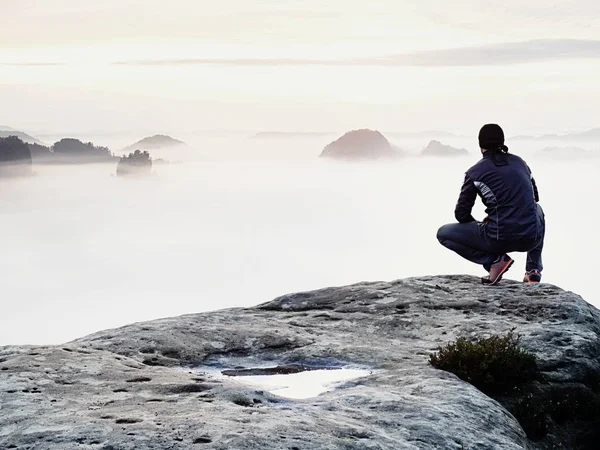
x=239, y=221
x=250, y=225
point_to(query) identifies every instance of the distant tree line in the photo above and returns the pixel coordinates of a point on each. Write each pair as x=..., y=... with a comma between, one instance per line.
x=136, y=163
x=71, y=151
x=17, y=157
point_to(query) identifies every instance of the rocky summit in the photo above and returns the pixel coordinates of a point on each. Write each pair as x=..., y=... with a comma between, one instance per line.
x=361, y=144
x=436, y=148
x=147, y=385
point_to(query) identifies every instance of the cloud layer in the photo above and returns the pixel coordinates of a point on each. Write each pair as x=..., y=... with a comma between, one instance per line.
x=485, y=55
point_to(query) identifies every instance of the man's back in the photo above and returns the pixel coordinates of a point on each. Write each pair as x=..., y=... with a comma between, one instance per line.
x=507, y=189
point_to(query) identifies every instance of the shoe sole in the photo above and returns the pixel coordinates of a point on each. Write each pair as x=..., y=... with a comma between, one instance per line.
x=507, y=266
x=535, y=279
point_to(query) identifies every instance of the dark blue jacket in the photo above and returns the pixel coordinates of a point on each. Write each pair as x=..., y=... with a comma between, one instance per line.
x=507, y=188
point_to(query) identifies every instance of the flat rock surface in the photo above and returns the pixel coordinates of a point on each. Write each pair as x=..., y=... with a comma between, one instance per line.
x=142, y=386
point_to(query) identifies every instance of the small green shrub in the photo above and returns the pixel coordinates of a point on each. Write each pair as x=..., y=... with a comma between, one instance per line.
x=494, y=365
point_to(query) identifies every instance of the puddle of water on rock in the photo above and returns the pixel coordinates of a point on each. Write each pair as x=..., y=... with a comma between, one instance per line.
x=301, y=385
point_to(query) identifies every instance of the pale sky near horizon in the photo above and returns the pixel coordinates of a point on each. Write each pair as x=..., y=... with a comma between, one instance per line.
x=78, y=65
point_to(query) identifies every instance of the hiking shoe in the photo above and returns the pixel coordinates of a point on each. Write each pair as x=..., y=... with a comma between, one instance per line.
x=498, y=268
x=532, y=276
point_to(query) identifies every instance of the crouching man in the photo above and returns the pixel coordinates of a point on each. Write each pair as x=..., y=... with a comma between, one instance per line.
x=515, y=221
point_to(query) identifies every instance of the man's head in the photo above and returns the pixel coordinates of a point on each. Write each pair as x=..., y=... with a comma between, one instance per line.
x=491, y=137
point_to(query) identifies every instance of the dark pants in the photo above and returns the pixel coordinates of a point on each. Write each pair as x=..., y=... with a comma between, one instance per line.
x=471, y=241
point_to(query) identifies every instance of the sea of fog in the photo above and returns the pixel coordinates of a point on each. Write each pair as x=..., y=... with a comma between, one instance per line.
x=243, y=221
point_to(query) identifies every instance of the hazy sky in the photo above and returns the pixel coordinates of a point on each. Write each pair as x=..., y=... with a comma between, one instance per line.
x=299, y=65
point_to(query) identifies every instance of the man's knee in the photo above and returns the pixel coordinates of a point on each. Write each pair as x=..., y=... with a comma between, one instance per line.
x=444, y=233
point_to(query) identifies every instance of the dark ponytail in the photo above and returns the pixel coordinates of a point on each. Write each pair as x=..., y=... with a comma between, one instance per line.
x=499, y=155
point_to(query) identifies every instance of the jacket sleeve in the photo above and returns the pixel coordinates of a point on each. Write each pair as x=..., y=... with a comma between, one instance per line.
x=466, y=200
